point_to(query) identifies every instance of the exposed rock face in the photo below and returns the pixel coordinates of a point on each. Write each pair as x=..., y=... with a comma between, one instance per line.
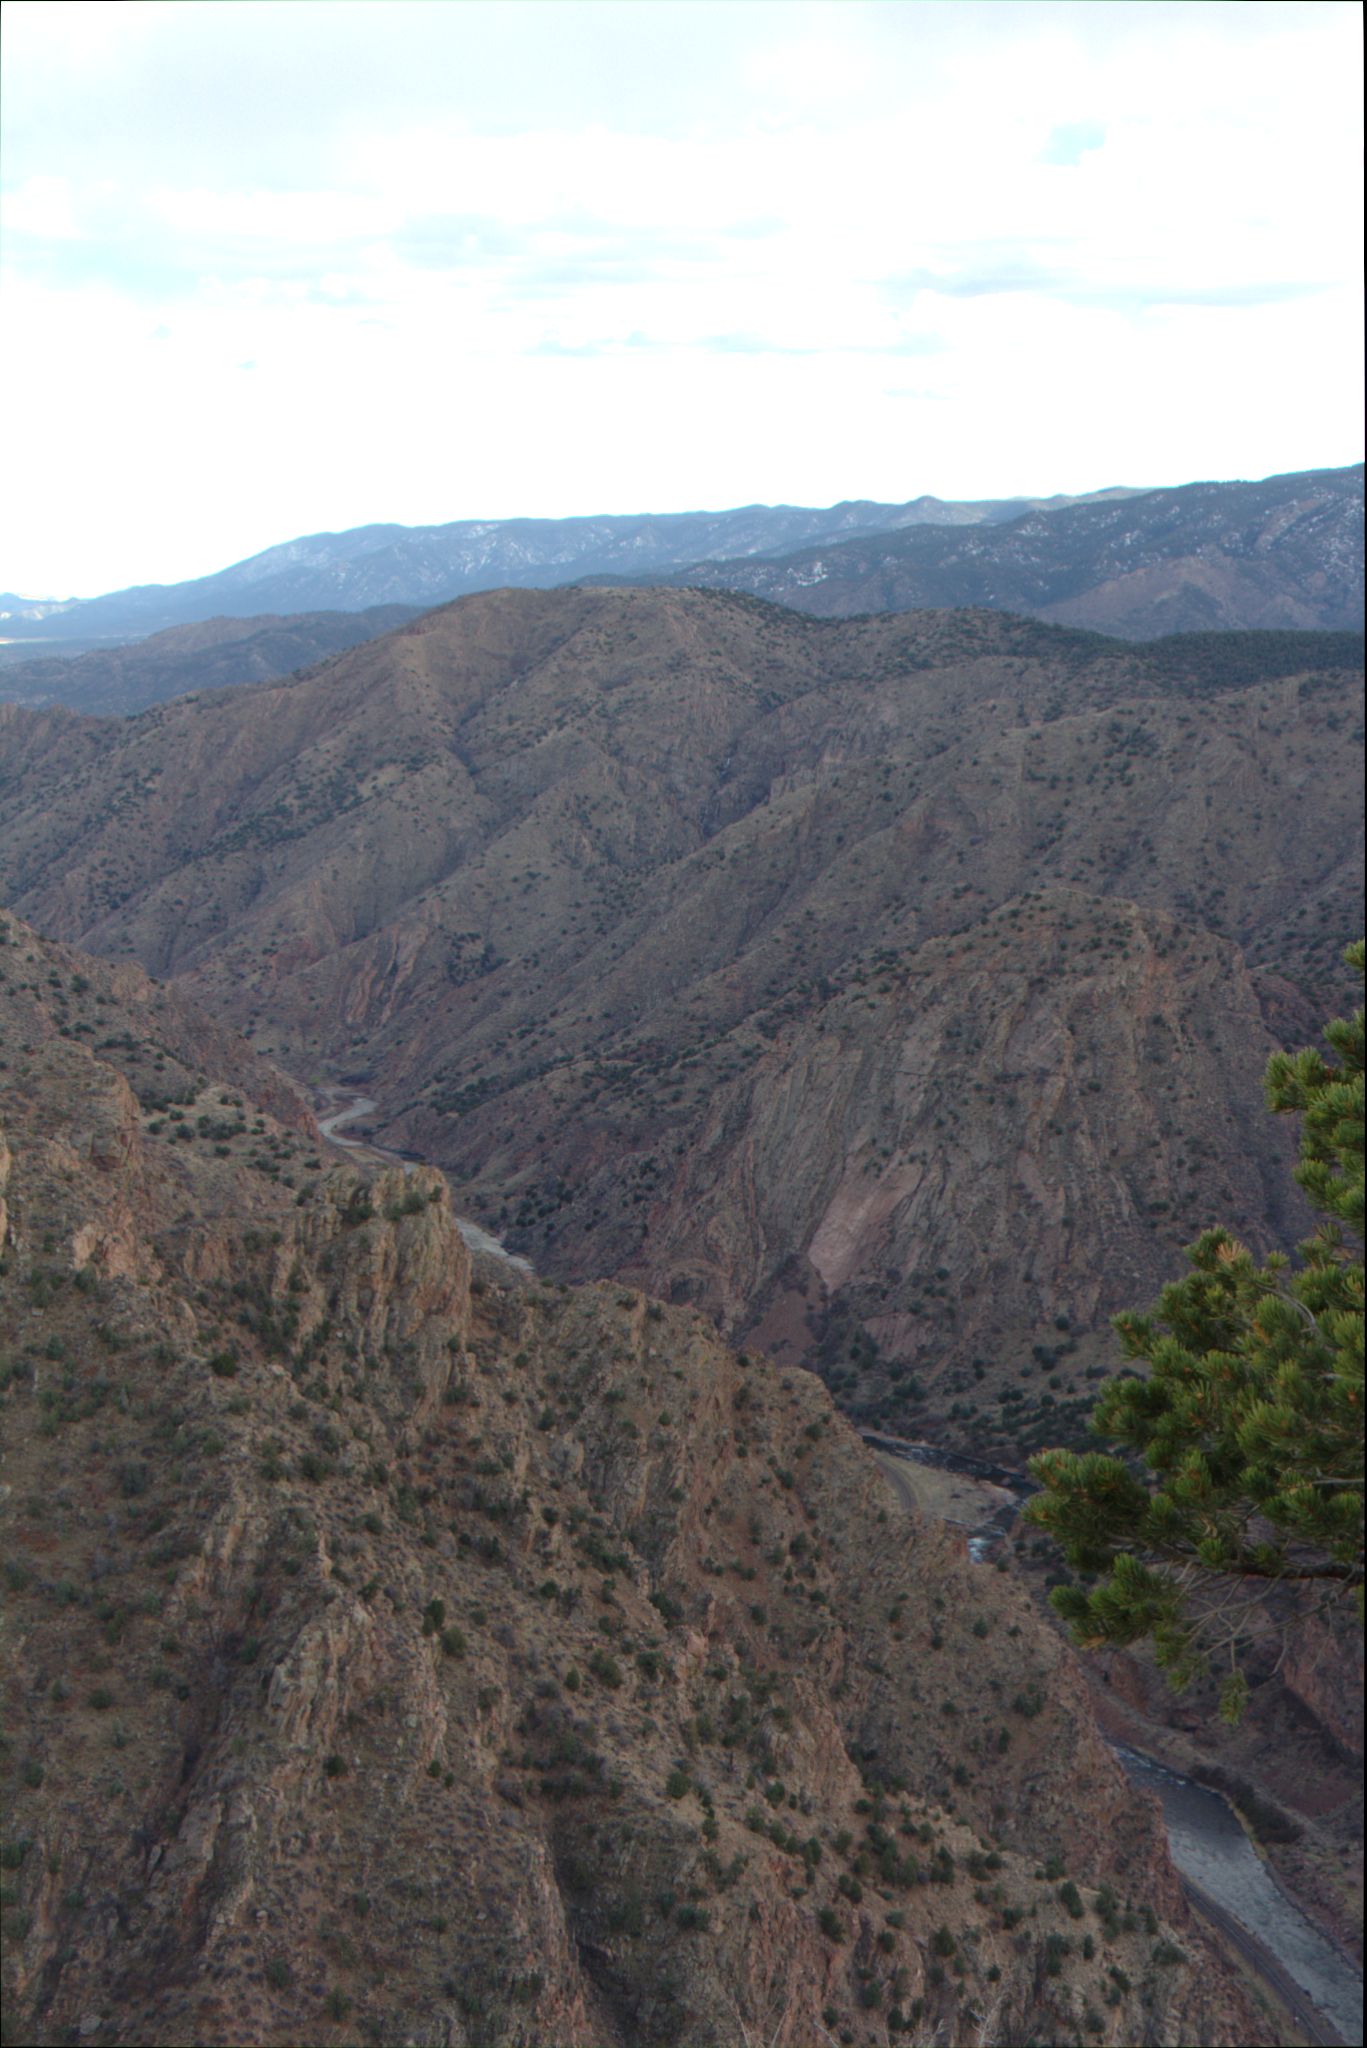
x=988, y=1051
x=894, y=989
x=427, y=1654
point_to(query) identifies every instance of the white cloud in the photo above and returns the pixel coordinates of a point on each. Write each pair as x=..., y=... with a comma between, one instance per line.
x=799, y=252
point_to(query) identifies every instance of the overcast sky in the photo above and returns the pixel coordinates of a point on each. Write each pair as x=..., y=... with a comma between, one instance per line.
x=272, y=269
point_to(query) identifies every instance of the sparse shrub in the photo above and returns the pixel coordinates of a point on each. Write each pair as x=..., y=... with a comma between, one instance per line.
x=1056, y=1948
x=605, y=1669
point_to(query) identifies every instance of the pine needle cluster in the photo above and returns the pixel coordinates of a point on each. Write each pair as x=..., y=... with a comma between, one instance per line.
x=1241, y=1436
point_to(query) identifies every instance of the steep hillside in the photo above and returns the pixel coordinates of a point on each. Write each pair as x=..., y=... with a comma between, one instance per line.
x=1284, y=553
x=208, y=656
x=897, y=988
x=398, y=1651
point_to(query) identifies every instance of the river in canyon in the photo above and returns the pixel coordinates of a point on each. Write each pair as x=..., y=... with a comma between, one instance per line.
x=1223, y=1875
x=1220, y=1864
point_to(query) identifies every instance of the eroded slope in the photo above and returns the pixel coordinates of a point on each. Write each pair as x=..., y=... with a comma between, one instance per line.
x=832, y=975
x=404, y=1652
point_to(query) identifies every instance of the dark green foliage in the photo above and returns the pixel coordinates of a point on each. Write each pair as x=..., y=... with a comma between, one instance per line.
x=605, y=1669
x=1198, y=662
x=1056, y=1947
x=1249, y=1418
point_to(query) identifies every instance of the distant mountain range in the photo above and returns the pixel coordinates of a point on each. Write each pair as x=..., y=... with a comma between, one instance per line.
x=430, y=565
x=1283, y=552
